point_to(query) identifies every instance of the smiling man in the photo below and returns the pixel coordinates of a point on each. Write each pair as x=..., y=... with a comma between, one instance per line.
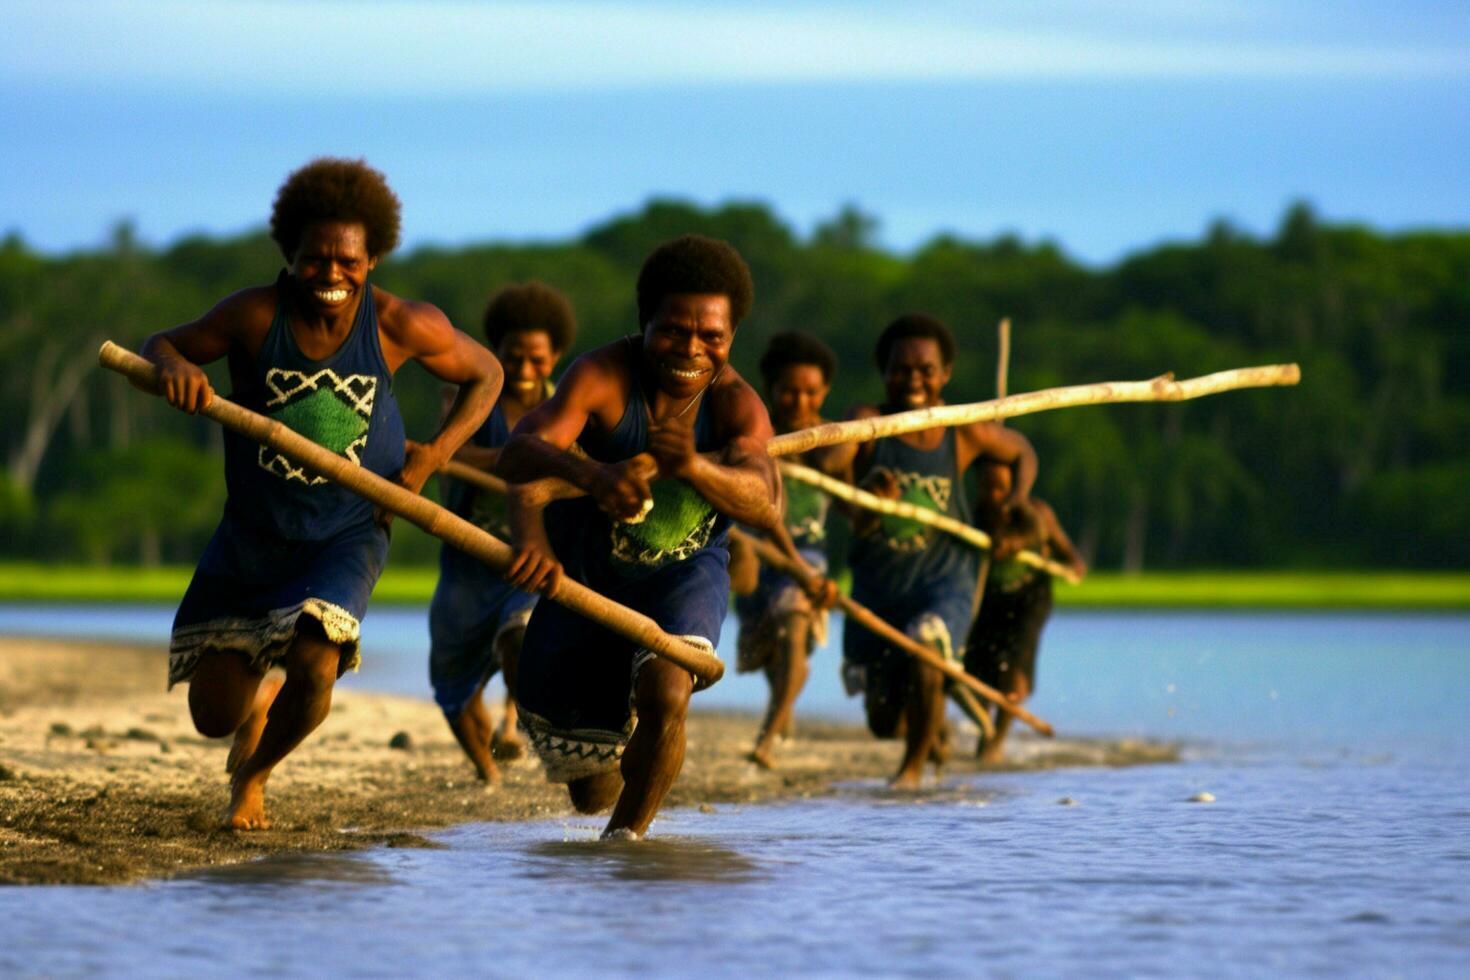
x=286, y=578
x=919, y=579
x=675, y=448
x=476, y=619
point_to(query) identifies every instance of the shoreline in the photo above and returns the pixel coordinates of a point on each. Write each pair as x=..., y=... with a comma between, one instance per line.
x=1307, y=590
x=103, y=779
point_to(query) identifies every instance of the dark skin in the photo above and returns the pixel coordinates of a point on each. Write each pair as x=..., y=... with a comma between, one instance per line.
x=683, y=355
x=328, y=277
x=914, y=378
x=796, y=396
x=1040, y=532
x=528, y=358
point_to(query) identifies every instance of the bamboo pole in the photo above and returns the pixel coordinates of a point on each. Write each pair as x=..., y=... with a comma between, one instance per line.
x=1161, y=389
x=972, y=536
x=474, y=476
x=426, y=514
x=1003, y=357
x=862, y=615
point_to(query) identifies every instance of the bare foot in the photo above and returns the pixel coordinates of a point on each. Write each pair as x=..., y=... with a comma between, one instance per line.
x=620, y=834
x=761, y=756
x=247, y=805
x=907, y=781
x=247, y=736
x=993, y=751
x=507, y=744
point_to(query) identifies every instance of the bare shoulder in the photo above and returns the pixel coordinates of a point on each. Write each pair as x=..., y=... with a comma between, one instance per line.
x=738, y=405
x=244, y=316
x=411, y=323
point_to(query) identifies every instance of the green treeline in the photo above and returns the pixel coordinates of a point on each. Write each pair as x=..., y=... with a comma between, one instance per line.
x=1363, y=465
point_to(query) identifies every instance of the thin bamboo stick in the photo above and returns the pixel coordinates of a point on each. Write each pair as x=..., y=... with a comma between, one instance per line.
x=972, y=536
x=862, y=615
x=426, y=514
x=1161, y=389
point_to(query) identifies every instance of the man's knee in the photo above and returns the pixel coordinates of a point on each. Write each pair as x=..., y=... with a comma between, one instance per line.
x=594, y=794
x=663, y=691
x=313, y=658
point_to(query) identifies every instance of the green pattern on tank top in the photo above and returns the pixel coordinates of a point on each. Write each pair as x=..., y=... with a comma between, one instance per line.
x=679, y=524
x=1010, y=575
x=330, y=410
x=806, y=511
x=929, y=492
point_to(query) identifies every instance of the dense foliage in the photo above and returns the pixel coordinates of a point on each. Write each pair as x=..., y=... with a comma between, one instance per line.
x=1364, y=464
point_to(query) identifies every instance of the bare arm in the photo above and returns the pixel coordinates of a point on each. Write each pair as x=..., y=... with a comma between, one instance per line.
x=1006, y=446
x=744, y=483
x=179, y=352
x=539, y=446
x=1061, y=545
x=420, y=332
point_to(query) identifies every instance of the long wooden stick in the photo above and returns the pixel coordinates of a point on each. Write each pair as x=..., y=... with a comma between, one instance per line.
x=1161, y=389
x=972, y=536
x=474, y=476
x=426, y=514
x=1003, y=357
x=858, y=613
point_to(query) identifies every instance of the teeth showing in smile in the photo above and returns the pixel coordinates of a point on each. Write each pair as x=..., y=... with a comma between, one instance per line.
x=686, y=375
x=331, y=295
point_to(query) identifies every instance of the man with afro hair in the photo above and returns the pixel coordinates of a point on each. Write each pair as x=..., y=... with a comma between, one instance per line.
x=675, y=444
x=476, y=619
x=916, y=578
x=781, y=624
x=284, y=583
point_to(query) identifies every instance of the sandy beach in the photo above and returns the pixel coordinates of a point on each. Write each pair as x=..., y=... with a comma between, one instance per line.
x=103, y=779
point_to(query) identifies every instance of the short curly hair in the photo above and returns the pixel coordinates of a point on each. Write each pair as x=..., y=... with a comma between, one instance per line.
x=334, y=189
x=914, y=325
x=795, y=347
x=530, y=306
x=694, y=264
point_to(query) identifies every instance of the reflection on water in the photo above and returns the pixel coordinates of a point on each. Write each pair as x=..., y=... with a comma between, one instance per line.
x=660, y=858
x=1336, y=845
x=290, y=870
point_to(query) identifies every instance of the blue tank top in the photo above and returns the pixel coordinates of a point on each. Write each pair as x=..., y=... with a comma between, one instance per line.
x=343, y=402
x=902, y=557
x=483, y=508
x=594, y=548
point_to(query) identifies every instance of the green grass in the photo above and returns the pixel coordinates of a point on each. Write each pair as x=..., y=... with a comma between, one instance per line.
x=34, y=582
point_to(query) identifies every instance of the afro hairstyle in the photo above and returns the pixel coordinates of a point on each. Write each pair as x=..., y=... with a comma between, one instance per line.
x=795, y=347
x=694, y=264
x=528, y=306
x=914, y=325
x=333, y=189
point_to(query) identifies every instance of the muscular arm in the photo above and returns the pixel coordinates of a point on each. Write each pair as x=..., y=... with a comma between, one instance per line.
x=743, y=482
x=420, y=332
x=1003, y=445
x=178, y=352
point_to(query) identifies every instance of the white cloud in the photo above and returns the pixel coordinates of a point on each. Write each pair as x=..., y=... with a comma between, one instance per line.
x=340, y=46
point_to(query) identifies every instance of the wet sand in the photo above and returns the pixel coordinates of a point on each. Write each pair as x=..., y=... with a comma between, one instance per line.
x=103, y=778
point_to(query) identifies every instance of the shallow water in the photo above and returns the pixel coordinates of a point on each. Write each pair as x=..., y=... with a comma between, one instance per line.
x=1337, y=748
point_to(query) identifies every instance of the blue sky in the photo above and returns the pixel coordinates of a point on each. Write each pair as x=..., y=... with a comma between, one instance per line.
x=1104, y=126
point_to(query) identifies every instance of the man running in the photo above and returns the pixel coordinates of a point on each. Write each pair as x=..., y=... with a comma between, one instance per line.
x=918, y=578
x=668, y=393
x=285, y=580
x=476, y=619
x=781, y=625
